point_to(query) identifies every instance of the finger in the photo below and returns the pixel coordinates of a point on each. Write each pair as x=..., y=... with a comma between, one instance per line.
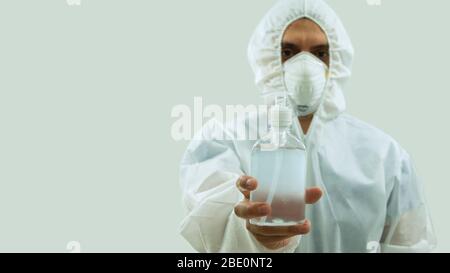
x=312, y=195
x=246, y=184
x=273, y=242
x=270, y=239
x=280, y=230
x=249, y=210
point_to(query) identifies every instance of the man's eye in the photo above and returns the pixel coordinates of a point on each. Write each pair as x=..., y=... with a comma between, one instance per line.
x=287, y=53
x=321, y=54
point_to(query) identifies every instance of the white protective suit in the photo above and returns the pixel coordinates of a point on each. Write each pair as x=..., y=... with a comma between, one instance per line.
x=372, y=196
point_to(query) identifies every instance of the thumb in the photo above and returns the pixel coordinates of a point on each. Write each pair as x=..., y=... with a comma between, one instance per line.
x=312, y=195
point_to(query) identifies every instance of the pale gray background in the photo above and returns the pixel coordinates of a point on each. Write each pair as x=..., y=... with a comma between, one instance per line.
x=86, y=94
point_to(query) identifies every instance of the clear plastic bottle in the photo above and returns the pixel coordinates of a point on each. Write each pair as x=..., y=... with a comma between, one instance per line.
x=278, y=162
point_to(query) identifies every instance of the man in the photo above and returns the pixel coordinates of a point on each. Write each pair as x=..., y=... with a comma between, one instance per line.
x=363, y=191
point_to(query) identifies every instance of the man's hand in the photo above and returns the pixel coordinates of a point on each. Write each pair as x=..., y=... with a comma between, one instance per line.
x=271, y=237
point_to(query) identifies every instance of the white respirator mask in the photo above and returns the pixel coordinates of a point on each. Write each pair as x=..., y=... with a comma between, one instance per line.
x=305, y=78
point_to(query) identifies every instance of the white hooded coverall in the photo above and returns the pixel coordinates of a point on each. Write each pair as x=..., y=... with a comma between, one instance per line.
x=372, y=196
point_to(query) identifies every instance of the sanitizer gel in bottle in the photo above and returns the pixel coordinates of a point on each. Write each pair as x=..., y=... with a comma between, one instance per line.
x=278, y=162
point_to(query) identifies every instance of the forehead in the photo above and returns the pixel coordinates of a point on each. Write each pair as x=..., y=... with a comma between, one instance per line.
x=304, y=30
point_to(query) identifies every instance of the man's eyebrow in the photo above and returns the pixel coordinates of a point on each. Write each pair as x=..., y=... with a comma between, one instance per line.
x=289, y=45
x=321, y=46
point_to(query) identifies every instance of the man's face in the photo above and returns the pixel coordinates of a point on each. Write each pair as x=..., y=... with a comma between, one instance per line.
x=305, y=35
